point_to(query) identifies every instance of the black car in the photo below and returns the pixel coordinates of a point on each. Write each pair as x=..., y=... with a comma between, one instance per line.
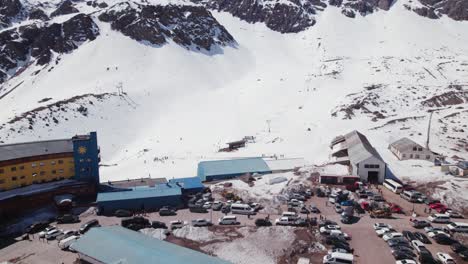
x=399, y=255
x=88, y=225
x=332, y=240
x=304, y=211
x=226, y=209
x=343, y=246
x=165, y=211
x=301, y=222
x=198, y=209
x=444, y=239
x=401, y=248
x=347, y=219
x=68, y=219
x=314, y=210
x=262, y=222
x=463, y=255
x=458, y=247
x=409, y=235
x=123, y=213
x=137, y=220
x=425, y=257
x=326, y=222
x=37, y=227
x=422, y=237
x=158, y=224
x=397, y=242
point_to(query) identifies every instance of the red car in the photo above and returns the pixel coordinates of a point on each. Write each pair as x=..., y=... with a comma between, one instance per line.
x=437, y=205
x=395, y=208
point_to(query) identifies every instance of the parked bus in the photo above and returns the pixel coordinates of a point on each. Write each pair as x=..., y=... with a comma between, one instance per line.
x=393, y=186
x=242, y=209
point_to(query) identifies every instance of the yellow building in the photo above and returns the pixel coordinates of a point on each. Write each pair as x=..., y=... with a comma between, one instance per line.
x=35, y=162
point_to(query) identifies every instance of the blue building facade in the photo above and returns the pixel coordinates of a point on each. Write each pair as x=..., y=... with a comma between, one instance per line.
x=228, y=169
x=141, y=198
x=190, y=185
x=86, y=154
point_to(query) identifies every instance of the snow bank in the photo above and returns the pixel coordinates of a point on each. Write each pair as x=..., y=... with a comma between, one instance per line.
x=252, y=247
x=159, y=233
x=199, y=234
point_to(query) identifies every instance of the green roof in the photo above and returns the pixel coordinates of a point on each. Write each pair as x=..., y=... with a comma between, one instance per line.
x=115, y=244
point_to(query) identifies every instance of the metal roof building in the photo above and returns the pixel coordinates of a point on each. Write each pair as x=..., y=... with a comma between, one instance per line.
x=227, y=169
x=115, y=244
x=406, y=148
x=357, y=152
x=36, y=148
x=140, y=198
x=188, y=185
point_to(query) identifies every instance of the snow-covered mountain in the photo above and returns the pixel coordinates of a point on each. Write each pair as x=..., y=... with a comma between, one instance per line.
x=167, y=83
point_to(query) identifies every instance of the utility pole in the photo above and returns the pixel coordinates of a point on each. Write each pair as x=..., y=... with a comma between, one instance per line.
x=269, y=127
x=429, y=130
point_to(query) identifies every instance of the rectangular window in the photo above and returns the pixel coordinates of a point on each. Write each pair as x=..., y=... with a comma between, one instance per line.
x=33, y=165
x=419, y=149
x=366, y=166
x=428, y=156
x=411, y=156
x=41, y=164
x=60, y=161
x=14, y=178
x=404, y=155
x=417, y=156
x=54, y=171
x=61, y=171
x=21, y=167
x=52, y=162
x=13, y=168
x=42, y=173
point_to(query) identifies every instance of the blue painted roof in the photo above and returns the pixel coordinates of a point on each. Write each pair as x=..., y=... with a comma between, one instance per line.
x=188, y=183
x=115, y=244
x=140, y=192
x=232, y=166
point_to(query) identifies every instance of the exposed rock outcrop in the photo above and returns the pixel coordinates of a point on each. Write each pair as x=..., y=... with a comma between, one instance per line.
x=289, y=17
x=363, y=7
x=455, y=9
x=8, y=10
x=64, y=9
x=188, y=26
x=38, y=14
x=18, y=45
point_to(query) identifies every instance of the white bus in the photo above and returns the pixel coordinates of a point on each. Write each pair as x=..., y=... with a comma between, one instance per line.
x=242, y=209
x=393, y=186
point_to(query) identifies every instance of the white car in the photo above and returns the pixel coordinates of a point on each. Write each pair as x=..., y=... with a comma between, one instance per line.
x=201, y=222
x=431, y=228
x=435, y=233
x=418, y=245
x=389, y=236
x=285, y=220
x=337, y=250
x=383, y=231
x=328, y=228
x=378, y=226
x=339, y=233
x=207, y=205
x=445, y=258
x=295, y=202
x=406, y=261
x=42, y=234
x=177, y=224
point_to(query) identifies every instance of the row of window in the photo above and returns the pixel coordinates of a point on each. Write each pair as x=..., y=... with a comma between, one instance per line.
x=35, y=174
x=416, y=156
x=33, y=165
x=417, y=148
x=371, y=166
x=2, y=181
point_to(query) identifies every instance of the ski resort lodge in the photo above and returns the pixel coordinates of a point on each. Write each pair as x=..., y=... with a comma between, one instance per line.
x=406, y=148
x=355, y=150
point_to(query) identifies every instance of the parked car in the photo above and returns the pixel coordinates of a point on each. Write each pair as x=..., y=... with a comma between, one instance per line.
x=201, y=222
x=444, y=239
x=347, y=203
x=226, y=209
x=326, y=222
x=338, y=208
x=207, y=205
x=421, y=224
x=422, y=237
x=378, y=226
x=383, y=231
x=454, y=214
x=43, y=233
x=304, y=210
x=262, y=222
x=406, y=261
x=228, y=220
x=34, y=228
x=165, y=211
x=65, y=234
x=333, y=240
x=198, y=209
x=409, y=235
x=285, y=220
x=123, y=213
x=135, y=220
x=326, y=229
x=295, y=203
x=68, y=219
x=430, y=201
x=436, y=233
x=445, y=258
x=389, y=236
x=314, y=209
x=458, y=247
x=463, y=255
x=51, y=235
x=439, y=218
x=339, y=233
x=217, y=206
x=399, y=255
x=66, y=242
x=418, y=245
x=177, y=224
x=301, y=222
x=395, y=208
x=397, y=242
x=158, y=224
x=88, y=225
x=426, y=257
x=432, y=228
x=338, y=250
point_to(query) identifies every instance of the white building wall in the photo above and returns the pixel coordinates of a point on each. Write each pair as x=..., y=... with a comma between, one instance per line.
x=363, y=172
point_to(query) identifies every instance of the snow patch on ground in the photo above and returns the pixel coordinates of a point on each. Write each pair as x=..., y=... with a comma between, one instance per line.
x=199, y=234
x=252, y=247
x=158, y=233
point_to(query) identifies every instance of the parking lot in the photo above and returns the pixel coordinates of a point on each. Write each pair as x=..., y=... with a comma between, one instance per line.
x=369, y=248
